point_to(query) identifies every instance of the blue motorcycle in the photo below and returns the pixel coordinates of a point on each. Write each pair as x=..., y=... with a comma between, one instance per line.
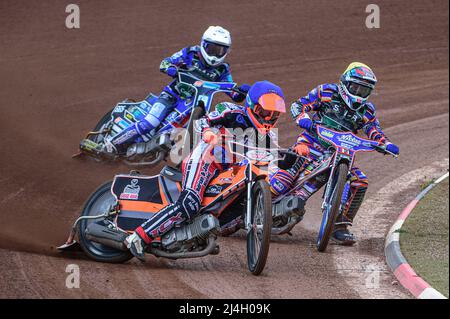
x=196, y=96
x=334, y=167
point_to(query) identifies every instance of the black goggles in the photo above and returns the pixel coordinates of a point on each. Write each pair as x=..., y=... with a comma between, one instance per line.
x=359, y=89
x=214, y=49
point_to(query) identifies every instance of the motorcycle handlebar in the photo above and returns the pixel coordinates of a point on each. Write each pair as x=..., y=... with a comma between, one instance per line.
x=236, y=89
x=288, y=152
x=382, y=149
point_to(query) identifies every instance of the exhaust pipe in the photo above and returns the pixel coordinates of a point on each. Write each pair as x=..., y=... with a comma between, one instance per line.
x=110, y=237
x=115, y=238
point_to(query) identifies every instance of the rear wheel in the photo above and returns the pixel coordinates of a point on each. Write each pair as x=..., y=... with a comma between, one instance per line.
x=258, y=237
x=98, y=203
x=101, y=125
x=91, y=142
x=331, y=211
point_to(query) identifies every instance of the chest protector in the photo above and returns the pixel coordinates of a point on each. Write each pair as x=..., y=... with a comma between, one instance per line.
x=336, y=116
x=206, y=73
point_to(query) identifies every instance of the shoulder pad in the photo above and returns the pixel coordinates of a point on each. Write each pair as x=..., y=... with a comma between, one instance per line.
x=331, y=87
x=326, y=91
x=194, y=48
x=370, y=108
x=226, y=66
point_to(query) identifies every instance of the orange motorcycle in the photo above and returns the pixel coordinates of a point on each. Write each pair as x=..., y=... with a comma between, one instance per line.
x=116, y=208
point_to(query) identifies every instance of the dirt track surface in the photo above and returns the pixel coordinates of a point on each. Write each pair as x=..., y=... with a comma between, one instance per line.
x=56, y=83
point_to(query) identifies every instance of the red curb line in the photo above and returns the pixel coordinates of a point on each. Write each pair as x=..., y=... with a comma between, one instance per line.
x=404, y=272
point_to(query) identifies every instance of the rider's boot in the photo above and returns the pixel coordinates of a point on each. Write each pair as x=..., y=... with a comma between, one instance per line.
x=136, y=246
x=343, y=236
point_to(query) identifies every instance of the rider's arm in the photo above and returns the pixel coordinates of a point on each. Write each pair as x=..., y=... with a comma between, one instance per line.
x=308, y=103
x=372, y=126
x=227, y=77
x=226, y=115
x=178, y=59
x=373, y=130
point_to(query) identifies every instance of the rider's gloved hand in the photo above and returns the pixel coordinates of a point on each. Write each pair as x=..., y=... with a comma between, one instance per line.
x=210, y=136
x=244, y=88
x=392, y=148
x=240, y=97
x=307, y=124
x=301, y=149
x=172, y=71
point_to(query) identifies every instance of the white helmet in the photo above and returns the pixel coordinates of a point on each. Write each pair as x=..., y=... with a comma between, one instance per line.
x=216, y=42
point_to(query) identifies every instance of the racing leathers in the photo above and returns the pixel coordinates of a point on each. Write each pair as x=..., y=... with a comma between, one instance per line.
x=190, y=59
x=329, y=110
x=210, y=157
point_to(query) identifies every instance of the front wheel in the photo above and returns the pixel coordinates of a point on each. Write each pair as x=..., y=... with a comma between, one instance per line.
x=332, y=207
x=258, y=237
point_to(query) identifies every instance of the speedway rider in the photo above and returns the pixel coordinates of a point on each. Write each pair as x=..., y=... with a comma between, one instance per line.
x=342, y=107
x=263, y=106
x=206, y=62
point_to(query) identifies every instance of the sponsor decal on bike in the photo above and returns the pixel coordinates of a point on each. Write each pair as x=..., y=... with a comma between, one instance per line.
x=327, y=133
x=131, y=191
x=226, y=180
x=350, y=139
x=213, y=190
x=119, y=108
x=172, y=116
x=259, y=155
x=126, y=136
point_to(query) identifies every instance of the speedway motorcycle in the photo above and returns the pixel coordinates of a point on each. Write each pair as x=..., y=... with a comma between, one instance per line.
x=196, y=98
x=116, y=208
x=334, y=169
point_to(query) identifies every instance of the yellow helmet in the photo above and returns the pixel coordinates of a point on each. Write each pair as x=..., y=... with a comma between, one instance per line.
x=357, y=83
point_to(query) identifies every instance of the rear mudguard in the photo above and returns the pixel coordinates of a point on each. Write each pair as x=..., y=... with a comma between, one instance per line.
x=140, y=196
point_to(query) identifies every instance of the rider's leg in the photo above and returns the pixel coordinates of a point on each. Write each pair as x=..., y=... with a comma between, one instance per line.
x=282, y=177
x=358, y=188
x=198, y=170
x=282, y=180
x=160, y=109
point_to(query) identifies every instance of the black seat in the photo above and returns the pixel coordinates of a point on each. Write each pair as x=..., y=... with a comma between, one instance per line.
x=172, y=173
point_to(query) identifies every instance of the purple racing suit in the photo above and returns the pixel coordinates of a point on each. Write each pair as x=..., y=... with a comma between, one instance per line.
x=329, y=110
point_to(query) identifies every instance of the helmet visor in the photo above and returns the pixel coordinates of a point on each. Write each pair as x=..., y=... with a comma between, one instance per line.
x=265, y=116
x=214, y=49
x=359, y=90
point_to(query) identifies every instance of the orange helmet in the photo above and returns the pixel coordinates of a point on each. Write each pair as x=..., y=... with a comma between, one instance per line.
x=264, y=105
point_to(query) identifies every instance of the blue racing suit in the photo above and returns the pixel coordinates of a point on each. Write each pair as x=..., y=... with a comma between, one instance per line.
x=188, y=58
x=328, y=110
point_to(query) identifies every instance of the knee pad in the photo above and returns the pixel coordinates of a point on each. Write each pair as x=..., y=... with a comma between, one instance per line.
x=189, y=203
x=281, y=182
